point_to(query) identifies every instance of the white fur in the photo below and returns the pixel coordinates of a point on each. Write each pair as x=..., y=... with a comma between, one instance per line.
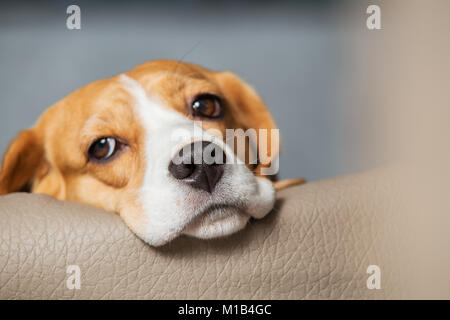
x=172, y=207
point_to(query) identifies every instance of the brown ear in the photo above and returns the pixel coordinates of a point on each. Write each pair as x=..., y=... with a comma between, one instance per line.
x=21, y=162
x=250, y=112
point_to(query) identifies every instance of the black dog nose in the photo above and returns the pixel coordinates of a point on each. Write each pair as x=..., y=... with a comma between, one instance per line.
x=199, y=164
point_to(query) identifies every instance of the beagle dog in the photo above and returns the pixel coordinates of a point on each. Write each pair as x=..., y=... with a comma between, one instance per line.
x=126, y=144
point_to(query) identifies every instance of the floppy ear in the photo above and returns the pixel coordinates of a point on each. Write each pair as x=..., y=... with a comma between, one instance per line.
x=250, y=112
x=21, y=162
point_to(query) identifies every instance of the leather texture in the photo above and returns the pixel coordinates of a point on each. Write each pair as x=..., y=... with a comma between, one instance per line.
x=317, y=244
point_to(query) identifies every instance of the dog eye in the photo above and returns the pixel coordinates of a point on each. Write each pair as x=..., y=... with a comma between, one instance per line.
x=207, y=106
x=103, y=149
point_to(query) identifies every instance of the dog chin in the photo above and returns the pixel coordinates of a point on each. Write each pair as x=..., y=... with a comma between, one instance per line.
x=217, y=221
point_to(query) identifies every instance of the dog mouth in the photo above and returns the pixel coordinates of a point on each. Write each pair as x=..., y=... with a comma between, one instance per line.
x=226, y=211
x=217, y=221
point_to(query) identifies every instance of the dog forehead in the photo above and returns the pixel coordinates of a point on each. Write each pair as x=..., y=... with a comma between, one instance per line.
x=154, y=113
x=173, y=81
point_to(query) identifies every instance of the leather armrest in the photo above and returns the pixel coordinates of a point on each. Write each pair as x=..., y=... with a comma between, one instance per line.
x=317, y=243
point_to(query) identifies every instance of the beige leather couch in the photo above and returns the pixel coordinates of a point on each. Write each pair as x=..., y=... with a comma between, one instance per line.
x=318, y=243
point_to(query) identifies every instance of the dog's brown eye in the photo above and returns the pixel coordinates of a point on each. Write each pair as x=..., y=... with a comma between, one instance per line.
x=103, y=149
x=207, y=106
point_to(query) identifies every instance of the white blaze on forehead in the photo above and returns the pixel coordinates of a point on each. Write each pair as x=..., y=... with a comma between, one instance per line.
x=153, y=114
x=169, y=205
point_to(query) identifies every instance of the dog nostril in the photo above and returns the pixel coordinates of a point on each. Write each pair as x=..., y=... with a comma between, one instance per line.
x=202, y=175
x=182, y=170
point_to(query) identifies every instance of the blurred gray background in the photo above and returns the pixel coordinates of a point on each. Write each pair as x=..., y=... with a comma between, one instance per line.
x=307, y=59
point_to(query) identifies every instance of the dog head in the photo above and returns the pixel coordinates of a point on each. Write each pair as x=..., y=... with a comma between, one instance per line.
x=154, y=145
